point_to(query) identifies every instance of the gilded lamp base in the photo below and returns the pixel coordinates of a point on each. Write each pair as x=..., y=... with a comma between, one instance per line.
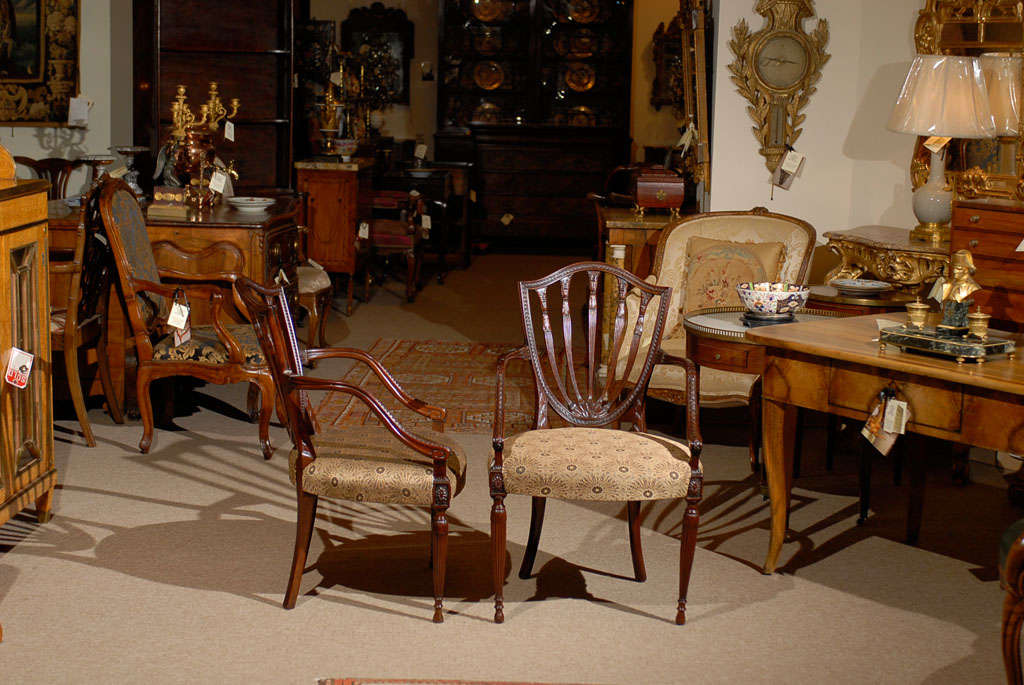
x=930, y=232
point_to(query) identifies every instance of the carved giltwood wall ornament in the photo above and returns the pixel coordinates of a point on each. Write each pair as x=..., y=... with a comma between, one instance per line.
x=776, y=70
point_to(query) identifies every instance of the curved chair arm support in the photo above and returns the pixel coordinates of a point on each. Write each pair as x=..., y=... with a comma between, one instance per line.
x=216, y=298
x=498, y=437
x=436, y=452
x=1013, y=569
x=693, y=435
x=435, y=414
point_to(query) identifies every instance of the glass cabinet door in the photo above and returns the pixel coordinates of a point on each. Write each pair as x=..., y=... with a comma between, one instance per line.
x=24, y=264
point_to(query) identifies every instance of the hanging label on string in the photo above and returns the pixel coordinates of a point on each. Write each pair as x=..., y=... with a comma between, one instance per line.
x=18, y=367
x=229, y=131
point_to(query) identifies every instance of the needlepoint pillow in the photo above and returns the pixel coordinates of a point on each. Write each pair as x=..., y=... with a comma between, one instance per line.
x=715, y=267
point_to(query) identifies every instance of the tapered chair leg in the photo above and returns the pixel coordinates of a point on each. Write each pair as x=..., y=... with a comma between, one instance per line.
x=498, y=554
x=325, y=308
x=103, y=362
x=536, y=523
x=635, y=545
x=687, y=547
x=439, y=557
x=303, y=533
x=142, y=379
x=754, y=444
x=75, y=386
x=267, y=395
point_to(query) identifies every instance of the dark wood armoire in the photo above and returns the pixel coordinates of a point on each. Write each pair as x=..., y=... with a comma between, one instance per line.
x=537, y=94
x=247, y=48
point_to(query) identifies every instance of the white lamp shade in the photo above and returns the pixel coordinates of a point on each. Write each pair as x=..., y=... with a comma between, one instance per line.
x=944, y=95
x=1003, y=80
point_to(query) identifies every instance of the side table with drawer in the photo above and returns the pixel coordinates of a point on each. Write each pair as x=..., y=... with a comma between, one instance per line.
x=992, y=229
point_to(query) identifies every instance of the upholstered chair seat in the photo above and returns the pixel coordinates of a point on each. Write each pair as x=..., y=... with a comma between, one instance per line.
x=312, y=279
x=595, y=464
x=206, y=348
x=367, y=464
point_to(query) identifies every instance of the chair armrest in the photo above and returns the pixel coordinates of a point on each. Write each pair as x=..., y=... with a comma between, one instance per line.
x=498, y=437
x=216, y=298
x=218, y=276
x=693, y=435
x=438, y=453
x=435, y=414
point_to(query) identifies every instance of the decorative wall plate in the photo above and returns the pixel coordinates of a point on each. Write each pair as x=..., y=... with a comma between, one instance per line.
x=487, y=41
x=491, y=10
x=487, y=113
x=584, y=11
x=488, y=75
x=580, y=76
x=580, y=44
x=582, y=116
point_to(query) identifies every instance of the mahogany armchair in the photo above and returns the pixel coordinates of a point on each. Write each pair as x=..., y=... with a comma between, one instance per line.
x=384, y=464
x=217, y=353
x=56, y=170
x=82, y=324
x=393, y=217
x=587, y=460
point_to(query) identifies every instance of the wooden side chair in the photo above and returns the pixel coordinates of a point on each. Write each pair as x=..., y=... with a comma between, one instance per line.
x=83, y=323
x=217, y=353
x=384, y=464
x=1011, y=577
x=394, y=229
x=56, y=170
x=587, y=460
x=315, y=288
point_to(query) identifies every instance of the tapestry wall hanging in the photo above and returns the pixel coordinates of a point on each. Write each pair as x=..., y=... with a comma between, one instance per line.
x=38, y=61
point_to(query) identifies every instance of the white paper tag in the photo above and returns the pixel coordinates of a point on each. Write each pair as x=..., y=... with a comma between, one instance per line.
x=182, y=335
x=229, y=131
x=118, y=171
x=217, y=181
x=425, y=221
x=936, y=292
x=282, y=277
x=507, y=219
x=421, y=151
x=472, y=196
x=792, y=161
x=364, y=230
x=936, y=143
x=313, y=264
x=178, y=316
x=1020, y=246
x=895, y=420
x=78, y=112
x=886, y=323
x=19, y=366
x=414, y=193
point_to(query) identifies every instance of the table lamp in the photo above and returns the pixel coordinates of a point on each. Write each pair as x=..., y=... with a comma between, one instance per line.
x=1002, y=73
x=945, y=96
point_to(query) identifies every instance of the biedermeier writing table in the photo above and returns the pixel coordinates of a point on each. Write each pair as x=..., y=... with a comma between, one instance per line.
x=836, y=366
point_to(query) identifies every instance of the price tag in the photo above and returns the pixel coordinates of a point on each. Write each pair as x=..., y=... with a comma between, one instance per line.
x=421, y=151
x=896, y=414
x=118, y=171
x=791, y=163
x=936, y=292
x=183, y=335
x=425, y=221
x=364, y=230
x=19, y=366
x=178, y=317
x=1020, y=246
x=936, y=143
x=281, y=277
x=472, y=196
x=229, y=131
x=507, y=219
x=314, y=264
x=78, y=112
x=218, y=181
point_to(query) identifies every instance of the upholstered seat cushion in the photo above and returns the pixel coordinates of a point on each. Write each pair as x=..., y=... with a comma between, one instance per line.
x=58, y=320
x=369, y=464
x=595, y=464
x=205, y=348
x=312, y=279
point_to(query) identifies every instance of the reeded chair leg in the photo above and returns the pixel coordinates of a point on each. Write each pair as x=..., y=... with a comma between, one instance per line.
x=687, y=547
x=142, y=379
x=536, y=523
x=439, y=557
x=498, y=554
x=303, y=533
x=635, y=545
x=75, y=386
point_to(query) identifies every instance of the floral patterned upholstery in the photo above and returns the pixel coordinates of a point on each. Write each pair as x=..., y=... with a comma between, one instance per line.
x=717, y=388
x=58, y=320
x=715, y=267
x=595, y=464
x=205, y=348
x=367, y=464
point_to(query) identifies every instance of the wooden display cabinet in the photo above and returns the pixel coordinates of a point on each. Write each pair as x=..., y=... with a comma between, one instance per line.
x=27, y=473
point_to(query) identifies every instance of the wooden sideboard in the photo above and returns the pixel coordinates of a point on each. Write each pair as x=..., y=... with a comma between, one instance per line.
x=992, y=230
x=27, y=473
x=260, y=245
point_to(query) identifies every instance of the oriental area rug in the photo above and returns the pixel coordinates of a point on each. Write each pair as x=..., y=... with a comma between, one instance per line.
x=459, y=376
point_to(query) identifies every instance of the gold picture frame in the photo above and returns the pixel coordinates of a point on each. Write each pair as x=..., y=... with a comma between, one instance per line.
x=39, y=61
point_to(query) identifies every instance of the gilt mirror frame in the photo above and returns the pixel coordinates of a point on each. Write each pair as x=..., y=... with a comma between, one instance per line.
x=972, y=27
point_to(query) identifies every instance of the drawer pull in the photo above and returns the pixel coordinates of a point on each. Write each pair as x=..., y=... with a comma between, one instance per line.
x=972, y=243
x=717, y=355
x=975, y=219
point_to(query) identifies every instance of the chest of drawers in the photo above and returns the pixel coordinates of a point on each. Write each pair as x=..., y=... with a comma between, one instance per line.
x=991, y=230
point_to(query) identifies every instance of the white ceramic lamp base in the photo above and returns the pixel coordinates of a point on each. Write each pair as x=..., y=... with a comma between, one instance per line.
x=933, y=204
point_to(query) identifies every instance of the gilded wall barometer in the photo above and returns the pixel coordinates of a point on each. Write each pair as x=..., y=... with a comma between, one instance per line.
x=776, y=70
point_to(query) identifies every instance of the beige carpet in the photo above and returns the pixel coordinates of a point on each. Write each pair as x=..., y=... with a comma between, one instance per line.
x=170, y=567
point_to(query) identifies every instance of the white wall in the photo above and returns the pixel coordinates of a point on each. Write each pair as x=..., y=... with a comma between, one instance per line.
x=104, y=23
x=857, y=172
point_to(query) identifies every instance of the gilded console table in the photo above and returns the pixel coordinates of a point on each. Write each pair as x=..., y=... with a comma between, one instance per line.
x=888, y=254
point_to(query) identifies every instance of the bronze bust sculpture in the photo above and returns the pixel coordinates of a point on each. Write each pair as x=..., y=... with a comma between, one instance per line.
x=956, y=290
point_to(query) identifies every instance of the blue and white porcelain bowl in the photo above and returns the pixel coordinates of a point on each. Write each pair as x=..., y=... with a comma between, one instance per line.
x=772, y=298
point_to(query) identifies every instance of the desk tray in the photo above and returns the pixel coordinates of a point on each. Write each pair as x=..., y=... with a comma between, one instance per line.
x=930, y=341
